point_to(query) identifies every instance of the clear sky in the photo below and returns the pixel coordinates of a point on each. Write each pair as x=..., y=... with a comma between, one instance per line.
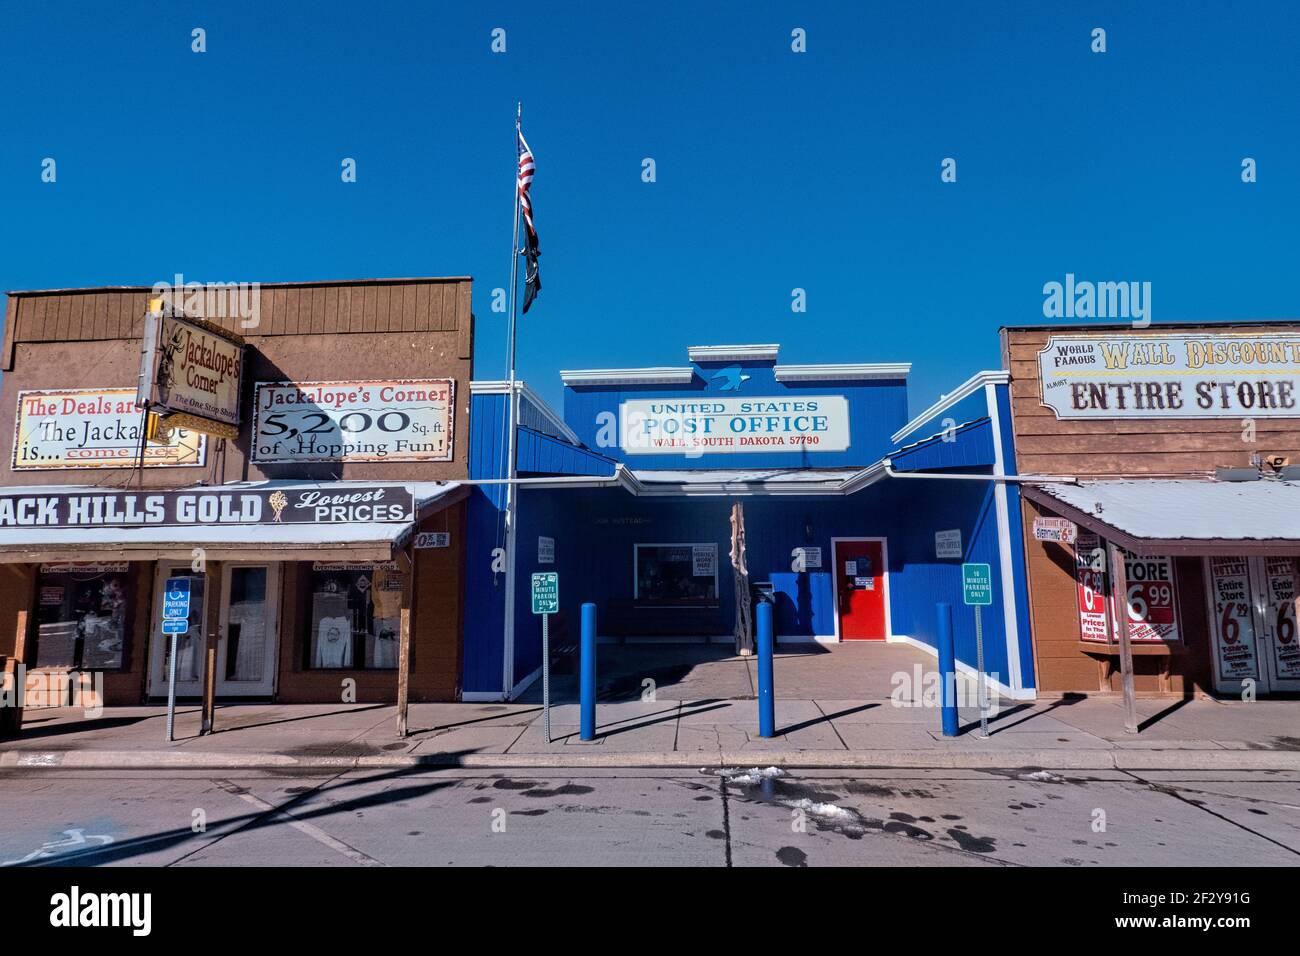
x=775, y=170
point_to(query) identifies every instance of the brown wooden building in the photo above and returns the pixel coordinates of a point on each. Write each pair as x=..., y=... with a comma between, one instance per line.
x=324, y=544
x=1176, y=447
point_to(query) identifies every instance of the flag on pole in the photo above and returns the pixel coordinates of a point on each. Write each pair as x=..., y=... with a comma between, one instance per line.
x=532, y=279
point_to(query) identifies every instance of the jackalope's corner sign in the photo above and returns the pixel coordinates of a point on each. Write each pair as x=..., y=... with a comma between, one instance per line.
x=191, y=372
x=366, y=504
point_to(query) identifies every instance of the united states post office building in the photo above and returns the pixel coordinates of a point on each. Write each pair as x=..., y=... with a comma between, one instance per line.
x=857, y=516
x=335, y=510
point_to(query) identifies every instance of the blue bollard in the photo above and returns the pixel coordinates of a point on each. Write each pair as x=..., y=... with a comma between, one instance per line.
x=947, y=670
x=587, y=674
x=766, y=697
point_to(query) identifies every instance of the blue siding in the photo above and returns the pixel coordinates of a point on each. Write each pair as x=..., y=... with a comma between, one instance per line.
x=543, y=455
x=1016, y=540
x=970, y=446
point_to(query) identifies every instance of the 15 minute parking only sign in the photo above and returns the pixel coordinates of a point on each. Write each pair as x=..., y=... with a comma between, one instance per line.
x=976, y=584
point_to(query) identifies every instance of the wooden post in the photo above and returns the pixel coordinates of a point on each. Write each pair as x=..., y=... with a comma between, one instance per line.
x=740, y=573
x=1119, y=577
x=404, y=648
x=211, y=634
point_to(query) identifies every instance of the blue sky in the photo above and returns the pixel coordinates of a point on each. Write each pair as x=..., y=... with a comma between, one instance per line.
x=775, y=170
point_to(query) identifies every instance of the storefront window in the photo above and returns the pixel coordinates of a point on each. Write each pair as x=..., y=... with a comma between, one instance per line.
x=355, y=615
x=675, y=572
x=81, y=616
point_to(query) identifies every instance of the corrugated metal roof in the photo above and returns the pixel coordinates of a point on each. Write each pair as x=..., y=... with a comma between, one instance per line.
x=1187, y=509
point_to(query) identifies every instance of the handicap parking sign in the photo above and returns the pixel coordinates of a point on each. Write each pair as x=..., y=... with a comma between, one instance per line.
x=176, y=605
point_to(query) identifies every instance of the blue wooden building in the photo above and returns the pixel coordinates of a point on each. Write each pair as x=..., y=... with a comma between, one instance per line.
x=857, y=519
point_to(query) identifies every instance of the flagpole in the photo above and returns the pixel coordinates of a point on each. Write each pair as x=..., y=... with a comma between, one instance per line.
x=512, y=504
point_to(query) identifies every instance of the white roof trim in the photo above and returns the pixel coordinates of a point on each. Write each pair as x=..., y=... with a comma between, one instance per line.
x=733, y=353
x=628, y=376
x=501, y=387
x=821, y=373
x=968, y=387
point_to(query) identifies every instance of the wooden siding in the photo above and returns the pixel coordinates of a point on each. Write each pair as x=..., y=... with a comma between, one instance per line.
x=1186, y=447
x=380, y=305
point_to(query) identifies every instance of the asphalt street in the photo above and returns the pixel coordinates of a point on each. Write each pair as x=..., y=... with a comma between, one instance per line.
x=646, y=817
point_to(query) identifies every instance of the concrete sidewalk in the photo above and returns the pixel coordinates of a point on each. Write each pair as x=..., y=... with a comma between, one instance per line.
x=1051, y=734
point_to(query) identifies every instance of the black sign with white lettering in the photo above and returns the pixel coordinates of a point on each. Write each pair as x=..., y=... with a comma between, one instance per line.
x=216, y=506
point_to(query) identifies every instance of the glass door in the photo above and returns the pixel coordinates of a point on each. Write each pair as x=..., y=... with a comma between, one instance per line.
x=250, y=616
x=1253, y=622
x=189, y=646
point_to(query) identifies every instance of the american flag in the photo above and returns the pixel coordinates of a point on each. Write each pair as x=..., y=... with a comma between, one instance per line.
x=524, y=183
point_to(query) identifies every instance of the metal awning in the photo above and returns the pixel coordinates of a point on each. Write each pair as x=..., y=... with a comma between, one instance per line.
x=1182, y=516
x=322, y=541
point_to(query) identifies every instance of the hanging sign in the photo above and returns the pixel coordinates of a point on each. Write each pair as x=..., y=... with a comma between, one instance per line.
x=1281, y=574
x=92, y=428
x=1059, y=530
x=1171, y=376
x=197, y=373
x=380, y=420
x=674, y=426
x=1152, y=614
x=1234, y=624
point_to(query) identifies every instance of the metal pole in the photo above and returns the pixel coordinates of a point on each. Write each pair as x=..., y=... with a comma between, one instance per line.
x=947, y=670
x=766, y=701
x=979, y=664
x=507, y=656
x=171, y=692
x=587, y=674
x=546, y=675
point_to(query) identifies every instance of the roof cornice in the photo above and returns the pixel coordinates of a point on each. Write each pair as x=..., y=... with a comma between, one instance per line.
x=628, y=376
x=851, y=372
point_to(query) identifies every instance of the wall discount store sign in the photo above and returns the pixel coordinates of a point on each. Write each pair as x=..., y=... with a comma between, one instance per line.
x=729, y=425
x=1171, y=376
x=353, y=421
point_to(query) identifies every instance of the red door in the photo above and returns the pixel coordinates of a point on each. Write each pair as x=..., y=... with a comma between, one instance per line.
x=860, y=589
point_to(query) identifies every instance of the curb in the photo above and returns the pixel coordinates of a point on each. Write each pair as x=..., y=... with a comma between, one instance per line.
x=790, y=759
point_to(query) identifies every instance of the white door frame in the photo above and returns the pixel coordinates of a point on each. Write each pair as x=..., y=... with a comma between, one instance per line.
x=266, y=686
x=835, y=583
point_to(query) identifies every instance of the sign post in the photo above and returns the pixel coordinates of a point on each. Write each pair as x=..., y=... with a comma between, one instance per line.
x=977, y=591
x=546, y=601
x=176, y=621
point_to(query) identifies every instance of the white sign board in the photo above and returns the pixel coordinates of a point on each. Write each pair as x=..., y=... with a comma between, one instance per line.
x=432, y=539
x=1171, y=376
x=545, y=550
x=92, y=428
x=704, y=560
x=199, y=372
x=1060, y=530
x=947, y=544
x=397, y=420
x=697, y=424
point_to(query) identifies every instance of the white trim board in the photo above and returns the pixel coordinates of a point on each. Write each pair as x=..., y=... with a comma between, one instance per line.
x=965, y=389
x=849, y=372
